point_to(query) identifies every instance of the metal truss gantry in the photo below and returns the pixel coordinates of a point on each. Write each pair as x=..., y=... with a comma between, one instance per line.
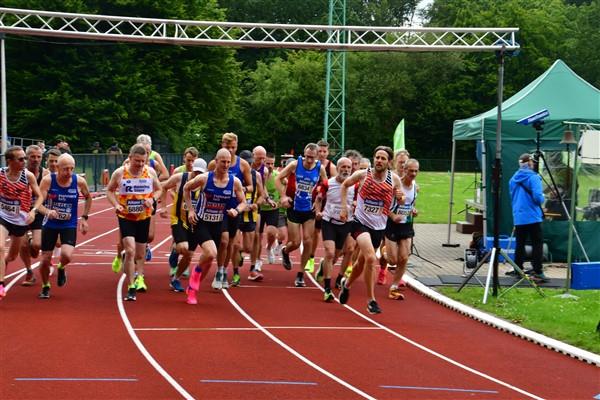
x=240, y=34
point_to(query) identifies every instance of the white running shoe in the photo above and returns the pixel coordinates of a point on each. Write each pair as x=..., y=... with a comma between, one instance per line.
x=271, y=255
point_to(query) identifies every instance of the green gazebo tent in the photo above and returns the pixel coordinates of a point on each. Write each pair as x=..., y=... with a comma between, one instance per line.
x=568, y=98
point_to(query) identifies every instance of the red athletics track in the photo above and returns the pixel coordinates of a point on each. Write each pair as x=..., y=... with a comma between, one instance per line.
x=213, y=351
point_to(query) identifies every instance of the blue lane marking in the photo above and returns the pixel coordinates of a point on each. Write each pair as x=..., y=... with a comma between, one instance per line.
x=437, y=388
x=259, y=382
x=80, y=379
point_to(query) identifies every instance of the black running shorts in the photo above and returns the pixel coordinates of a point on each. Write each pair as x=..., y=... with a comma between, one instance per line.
x=138, y=229
x=336, y=233
x=51, y=235
x=376, y=235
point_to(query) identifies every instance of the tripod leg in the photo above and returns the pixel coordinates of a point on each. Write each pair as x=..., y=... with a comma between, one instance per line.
x=522, y=274
x=468, y=278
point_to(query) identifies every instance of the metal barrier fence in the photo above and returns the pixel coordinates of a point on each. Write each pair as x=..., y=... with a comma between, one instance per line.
x=98, y=167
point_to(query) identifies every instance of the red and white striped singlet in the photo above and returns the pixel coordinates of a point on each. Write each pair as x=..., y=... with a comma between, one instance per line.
x=374, y=201
x=15, y=198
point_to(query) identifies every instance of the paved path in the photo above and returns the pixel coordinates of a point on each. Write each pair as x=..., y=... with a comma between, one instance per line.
x=428, y=244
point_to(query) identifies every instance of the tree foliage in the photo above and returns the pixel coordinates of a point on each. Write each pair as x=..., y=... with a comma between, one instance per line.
x=89, y=91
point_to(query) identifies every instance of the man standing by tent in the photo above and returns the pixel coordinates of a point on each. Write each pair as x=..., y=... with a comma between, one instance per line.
x=527, y=198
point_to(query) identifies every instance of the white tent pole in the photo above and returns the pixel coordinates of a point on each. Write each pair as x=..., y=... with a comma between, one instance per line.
x=4, y=144
x=448, y=244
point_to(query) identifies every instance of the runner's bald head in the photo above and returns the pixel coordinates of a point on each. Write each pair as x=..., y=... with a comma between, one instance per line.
x=65, y=159
x=223, y=153
x=344, y=160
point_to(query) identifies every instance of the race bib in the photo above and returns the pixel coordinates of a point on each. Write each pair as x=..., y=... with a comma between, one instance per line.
x=303, y=187
x=10, y=207
x=209, y=217
x=371, y=209
x=135, y=206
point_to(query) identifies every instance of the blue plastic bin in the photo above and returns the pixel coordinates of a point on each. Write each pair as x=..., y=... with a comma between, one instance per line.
x=585, y=275
x=506, y=243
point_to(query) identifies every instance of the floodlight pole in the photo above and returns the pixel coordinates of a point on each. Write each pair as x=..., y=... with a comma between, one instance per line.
x=498, y=169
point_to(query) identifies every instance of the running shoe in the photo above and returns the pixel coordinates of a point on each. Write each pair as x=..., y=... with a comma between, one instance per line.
x=29, y=279
x=395, y=293
x=235, y=280
x=344, y=294
x=116, y=264
x=338, y=281
x=255, y=276
x=216, y=283
x=299, y=282
x=148, y=252
x=319, y=275
x=191, y=296
x=382, y=276
x=328, y=296
x=348, y=271
x=224, y=281
x=195, y=278
x=140, y=285
x=130, y=294
x=2, y=292
x=271, y=255
x=45, y=293
x=373, y=307
x=176, y=286
x=61, y=279
x=173, y=259
x=51, y=270
x=310, y=265
x=258, y=265
x=285, y=260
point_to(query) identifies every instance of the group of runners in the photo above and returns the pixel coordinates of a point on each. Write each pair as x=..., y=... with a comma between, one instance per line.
x=228, y=207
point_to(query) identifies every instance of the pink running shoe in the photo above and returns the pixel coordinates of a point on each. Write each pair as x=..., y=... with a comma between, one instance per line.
x=191, y=296
x=382, y=276
x=2, y=292
x=195, y=279
x=255, y=276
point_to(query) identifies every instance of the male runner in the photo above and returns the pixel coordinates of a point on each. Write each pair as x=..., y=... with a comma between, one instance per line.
x=330, y=171
x=269, y=210
x=217, y=188
x=399, y=230
x=303, y=175
x=378, y=186
x=241, y=170
x=31, y=248
x=180, y=229
x=61, y=197
x=335, y=231
x=139, y=188
x=17, y=186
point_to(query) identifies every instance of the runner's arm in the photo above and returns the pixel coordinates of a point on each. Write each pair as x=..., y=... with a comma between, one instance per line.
x=162, y=171
x=351, y=180
x=279, y=181
x=112, y=187
x=245, y=167
x=85, y=191
x=44, y=187
x=198, y=182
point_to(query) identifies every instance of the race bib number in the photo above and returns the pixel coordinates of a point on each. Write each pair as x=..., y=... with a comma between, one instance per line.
x=135, y=206
x=208, y=217
x=10, y=207
x=304, y=187
x=373, y=209
x=405, y=210
x=64, y=216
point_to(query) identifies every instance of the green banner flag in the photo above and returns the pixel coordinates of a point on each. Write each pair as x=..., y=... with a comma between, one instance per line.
x=399, y=137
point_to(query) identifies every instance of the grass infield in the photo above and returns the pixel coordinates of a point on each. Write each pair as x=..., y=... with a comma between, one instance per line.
x=570, y=320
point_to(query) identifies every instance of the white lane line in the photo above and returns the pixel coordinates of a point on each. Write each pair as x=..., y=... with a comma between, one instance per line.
x=340, y=328
x=136, y=340
x=432, y=352
x=292, y=351
x=21, y=272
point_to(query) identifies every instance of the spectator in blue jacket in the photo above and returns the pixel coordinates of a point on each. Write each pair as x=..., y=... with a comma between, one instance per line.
x=527, y=197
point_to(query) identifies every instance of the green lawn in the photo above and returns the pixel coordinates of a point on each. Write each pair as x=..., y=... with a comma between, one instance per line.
x=434, y=196
x=569, y=320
